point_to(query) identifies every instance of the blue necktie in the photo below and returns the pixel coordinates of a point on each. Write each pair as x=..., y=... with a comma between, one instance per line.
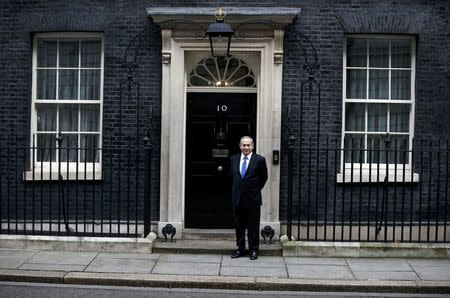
x=244, y=167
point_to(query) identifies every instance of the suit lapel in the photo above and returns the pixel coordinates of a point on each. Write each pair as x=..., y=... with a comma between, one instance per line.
x=236, y=166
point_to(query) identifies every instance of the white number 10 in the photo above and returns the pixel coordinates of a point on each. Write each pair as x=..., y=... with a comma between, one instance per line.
x=222, y=108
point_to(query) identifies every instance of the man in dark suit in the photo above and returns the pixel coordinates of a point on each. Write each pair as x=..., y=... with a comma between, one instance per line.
x=249, y=173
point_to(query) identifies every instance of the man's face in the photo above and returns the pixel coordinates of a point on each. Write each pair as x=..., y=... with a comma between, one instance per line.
x=246, y=146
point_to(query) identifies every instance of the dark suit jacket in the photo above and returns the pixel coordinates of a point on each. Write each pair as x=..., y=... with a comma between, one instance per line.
x=249, y=187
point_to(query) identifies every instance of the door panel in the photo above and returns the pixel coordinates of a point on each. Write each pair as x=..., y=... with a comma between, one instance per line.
x=215, y=124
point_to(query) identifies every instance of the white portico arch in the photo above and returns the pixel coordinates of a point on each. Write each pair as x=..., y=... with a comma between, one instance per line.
x=262, y=47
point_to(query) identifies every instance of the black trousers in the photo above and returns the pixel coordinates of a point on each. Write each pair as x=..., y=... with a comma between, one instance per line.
x=247, y=216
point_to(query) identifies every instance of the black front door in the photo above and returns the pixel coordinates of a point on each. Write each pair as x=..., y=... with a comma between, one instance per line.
x=215, y=124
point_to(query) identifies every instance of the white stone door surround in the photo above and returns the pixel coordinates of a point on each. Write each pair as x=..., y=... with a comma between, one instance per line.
x=179, y=45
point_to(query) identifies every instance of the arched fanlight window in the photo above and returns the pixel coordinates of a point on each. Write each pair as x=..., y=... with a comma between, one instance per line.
x=222, y=72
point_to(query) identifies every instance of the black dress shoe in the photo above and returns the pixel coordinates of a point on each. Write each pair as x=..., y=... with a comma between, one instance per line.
x=253, y=255
x=237, y=254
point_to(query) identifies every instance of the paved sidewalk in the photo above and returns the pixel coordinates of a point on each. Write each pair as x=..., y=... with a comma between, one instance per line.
x=220, y=271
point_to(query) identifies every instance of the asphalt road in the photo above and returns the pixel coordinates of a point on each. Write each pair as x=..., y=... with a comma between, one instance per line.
x=11, y=289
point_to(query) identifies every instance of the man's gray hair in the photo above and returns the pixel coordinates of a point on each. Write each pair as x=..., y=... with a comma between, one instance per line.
x=246, y=138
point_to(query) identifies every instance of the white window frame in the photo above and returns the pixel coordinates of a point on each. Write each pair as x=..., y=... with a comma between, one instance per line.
x=366, y=172
x=68, y=170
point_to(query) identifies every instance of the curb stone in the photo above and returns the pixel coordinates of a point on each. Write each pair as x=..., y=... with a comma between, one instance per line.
x=315, y=285
x=163, y=281
x=32, y=276
x=225, y=282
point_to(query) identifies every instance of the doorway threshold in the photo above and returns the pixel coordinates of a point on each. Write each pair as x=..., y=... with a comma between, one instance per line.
x=202, y=246
x=208, y=234
x=209, y=241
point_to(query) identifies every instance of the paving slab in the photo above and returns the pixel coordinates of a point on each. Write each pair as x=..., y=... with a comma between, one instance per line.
x=190, y=258
x=14, y=253
x=429, y=262
x=63, y=257
x=253, y=271
x=262, y=261
x=53, y=267
x=433, y=273
x=186, y=268
x=378, y=264
x=319, y=272
x=121, y=265
x=11, y=263
x=109, y=255
x=13, y=259
x=387, y=275
x=315, y=261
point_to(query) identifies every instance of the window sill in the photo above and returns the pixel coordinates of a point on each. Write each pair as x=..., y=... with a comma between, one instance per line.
x=377, y=177
x=66, y=176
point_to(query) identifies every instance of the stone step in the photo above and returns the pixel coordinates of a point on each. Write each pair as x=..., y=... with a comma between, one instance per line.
x=209, y=234
x=202, y=246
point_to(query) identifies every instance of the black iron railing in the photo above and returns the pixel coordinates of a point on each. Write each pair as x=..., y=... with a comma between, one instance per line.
x=380, y=191
x=80, y=191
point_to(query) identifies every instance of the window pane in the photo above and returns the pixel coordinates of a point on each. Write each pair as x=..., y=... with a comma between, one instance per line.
x=68, y=53
x=233, y=63
x=401, y=53
x=69, y=146
x=377, y=148
x=46, y=84
x=379, y=84
x=246, y=81
x=89, y=148
x=356, y=52
x=399, y=118
x=241, y=77
x=90, y=117
x=68, y=84
x=398, y=150
x=201, y=71
x=46, y=53
x=197, y=81
x=401, y=84
x=90, y=84
x=210, y=65
x=46, y=117
x=377, y=117
x=356, y=83
x=68, y=117
x=46, y=147
x=354, y=117
x=378, y=53
x=91, y=53
x=354, y=148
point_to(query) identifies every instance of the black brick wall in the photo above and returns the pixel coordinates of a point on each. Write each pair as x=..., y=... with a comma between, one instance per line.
x=324, y=22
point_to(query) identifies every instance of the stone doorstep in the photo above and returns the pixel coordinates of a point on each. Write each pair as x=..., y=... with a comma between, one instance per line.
x=210, y=247
x=209, y=234
x=209, y=241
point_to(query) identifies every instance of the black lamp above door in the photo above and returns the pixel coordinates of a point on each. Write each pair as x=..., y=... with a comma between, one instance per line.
x=219, y=34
